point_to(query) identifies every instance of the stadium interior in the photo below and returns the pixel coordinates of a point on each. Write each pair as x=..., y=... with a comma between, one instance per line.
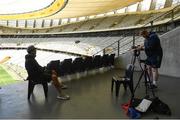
x=92, y=41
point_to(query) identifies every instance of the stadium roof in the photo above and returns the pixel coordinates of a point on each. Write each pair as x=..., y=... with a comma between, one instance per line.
x=34, y=9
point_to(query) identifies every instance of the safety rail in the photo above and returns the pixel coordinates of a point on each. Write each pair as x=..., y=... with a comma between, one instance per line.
x=171, y=12
x=150, y=25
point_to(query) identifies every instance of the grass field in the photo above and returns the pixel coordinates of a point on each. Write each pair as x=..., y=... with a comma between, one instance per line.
x=5, y=78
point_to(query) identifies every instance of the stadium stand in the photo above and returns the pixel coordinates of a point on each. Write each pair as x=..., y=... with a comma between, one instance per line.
x=117, y=21
x=81, y=48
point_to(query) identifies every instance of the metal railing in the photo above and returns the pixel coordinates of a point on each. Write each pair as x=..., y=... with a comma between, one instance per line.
x=150, y=25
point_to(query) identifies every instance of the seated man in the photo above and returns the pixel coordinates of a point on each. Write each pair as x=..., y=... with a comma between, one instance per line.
x=37, y=72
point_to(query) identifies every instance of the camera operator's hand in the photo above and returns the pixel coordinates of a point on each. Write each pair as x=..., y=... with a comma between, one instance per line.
x=139, y=47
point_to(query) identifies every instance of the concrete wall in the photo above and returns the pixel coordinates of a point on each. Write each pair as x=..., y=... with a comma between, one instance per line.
x=171, y=57
x=170, y=66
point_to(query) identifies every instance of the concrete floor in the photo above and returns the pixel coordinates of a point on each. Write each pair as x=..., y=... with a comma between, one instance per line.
x=91, y=98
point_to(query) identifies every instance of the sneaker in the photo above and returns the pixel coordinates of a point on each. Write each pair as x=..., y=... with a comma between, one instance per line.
x=64, y=86
x=65, y=97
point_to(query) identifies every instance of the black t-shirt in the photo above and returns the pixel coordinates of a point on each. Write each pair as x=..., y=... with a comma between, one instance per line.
x=35, y=71
x=153, y=46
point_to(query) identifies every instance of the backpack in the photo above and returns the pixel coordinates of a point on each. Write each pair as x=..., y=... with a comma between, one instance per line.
x=160, y=107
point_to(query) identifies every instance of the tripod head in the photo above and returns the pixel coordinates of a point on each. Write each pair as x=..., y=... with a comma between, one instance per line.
x=136, y=52
x=136, y=55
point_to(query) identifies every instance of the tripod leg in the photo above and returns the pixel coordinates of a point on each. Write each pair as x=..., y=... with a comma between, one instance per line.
x=138, y=81
x=139, y=60
x=133, y=60
x=132, y=97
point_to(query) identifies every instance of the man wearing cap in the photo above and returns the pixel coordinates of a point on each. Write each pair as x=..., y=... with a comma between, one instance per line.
x=36, y=72
x=154, y=53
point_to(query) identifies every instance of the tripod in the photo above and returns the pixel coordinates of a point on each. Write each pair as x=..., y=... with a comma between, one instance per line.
x=143, y=73
x=136, y=56
x=146, y=76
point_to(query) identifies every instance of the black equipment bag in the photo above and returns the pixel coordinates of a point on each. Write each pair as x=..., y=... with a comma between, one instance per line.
x=159, y=107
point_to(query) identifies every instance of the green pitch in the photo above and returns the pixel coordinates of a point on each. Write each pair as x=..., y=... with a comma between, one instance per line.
x=5, y=78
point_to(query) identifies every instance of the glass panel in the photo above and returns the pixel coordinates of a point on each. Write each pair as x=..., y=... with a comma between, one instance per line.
x=30, y=23
x=21, y=23
x=3, y=22
x=39, y=23
x=132, y=8
x=110, y=13
x=145, y=5
x=47, y=23
x=64, y=21
x=175, y=2
x=82, y=18
x=121, y=10
x=55, y=22
x=100, y=15
x=73, y=19
x=160, y=4
x=12, y=23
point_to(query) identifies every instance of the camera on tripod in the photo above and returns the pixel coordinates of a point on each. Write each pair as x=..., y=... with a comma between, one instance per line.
x=136, y=51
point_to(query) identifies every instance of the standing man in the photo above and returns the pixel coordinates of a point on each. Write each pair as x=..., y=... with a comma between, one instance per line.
x=154, y=53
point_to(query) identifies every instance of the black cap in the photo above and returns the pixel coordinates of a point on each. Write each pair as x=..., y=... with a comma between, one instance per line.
x=31, y=48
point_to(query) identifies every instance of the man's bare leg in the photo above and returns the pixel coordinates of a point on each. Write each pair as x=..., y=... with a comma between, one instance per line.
x=155, y=75
x=58, y=85
x=149, y=73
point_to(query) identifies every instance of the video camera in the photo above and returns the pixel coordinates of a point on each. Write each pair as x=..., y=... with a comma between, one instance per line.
x=136, y=51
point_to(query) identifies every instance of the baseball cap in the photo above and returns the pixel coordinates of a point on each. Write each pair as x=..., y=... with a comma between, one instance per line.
x=31, y=48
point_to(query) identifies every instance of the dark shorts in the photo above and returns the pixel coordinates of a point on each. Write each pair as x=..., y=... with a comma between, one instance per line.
x=154, y=61
x=47, y=76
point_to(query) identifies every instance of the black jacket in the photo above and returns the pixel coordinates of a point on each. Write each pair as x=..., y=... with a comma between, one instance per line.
x=152, y=45
x=34, y=70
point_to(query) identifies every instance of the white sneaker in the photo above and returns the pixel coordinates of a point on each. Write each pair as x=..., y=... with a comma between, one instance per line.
x=65, y=97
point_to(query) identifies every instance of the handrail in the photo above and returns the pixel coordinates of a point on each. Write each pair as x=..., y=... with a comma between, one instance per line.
x=150, y=22
x=108, y=46
x=161, y=15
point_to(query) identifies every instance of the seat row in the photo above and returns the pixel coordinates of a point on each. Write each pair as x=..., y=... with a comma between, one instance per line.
x=80, y=64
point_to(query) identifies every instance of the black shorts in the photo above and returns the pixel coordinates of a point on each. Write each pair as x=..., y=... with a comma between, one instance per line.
x=47, y=76
x=154, y=61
